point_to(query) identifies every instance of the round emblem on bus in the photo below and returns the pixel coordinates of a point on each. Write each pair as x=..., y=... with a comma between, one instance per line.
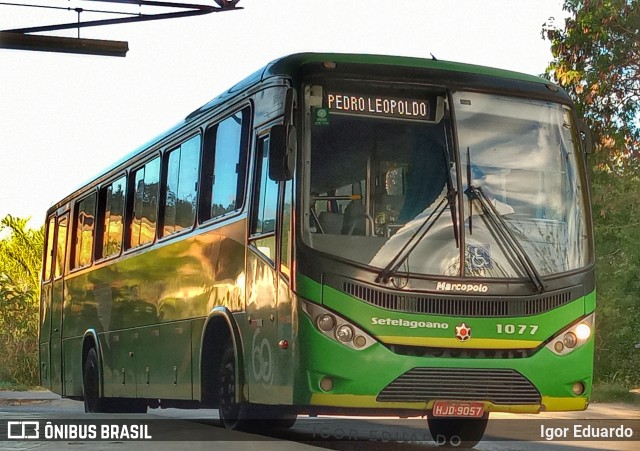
x=463, y=332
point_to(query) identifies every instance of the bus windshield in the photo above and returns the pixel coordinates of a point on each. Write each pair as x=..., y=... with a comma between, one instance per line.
x=383, y=185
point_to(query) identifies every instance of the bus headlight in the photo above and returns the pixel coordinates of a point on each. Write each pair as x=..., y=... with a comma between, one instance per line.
x=344, y=333
x=572, y=337
x=337, y=328
x=326, y=322
x=583, y=331
x=570, y=340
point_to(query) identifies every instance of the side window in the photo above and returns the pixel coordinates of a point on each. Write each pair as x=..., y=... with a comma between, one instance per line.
x=285, y=239
x=145, y=202
x=83, y=235
x=48, y=253
x=113, y=196
x=265, y=203
x=180, y=193
x=61, y=247
x=225, y=166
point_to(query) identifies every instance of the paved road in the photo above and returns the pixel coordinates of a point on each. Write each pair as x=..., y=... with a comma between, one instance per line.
x=198, y=429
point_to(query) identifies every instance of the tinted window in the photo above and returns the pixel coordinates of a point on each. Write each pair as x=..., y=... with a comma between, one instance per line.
x=225, y=166
x=83, y=237
x=180, y=193
x=285, y=261
x=267, y=194
x=145, y=202
x=113, y=222
x=48, y=255
x=61, y=247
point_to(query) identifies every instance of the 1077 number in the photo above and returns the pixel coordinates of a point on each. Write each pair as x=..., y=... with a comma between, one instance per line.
x=517, y=329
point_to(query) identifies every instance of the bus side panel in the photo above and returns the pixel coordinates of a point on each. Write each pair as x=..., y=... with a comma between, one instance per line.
x=143, y=304
x=197, y=327
x=270, y=349
x=118, y=368
x=288, y=331
x=163, y=361
x=72, y=366
x=45, y=335
x=175, y=352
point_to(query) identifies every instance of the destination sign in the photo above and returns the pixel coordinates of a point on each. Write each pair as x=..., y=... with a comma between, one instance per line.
x=371, y=105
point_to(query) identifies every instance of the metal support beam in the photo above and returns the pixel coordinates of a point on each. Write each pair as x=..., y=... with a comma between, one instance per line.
x=19, y=41
x=119, y=20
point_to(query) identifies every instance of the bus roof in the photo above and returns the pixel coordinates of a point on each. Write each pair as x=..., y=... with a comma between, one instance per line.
x=285, y=64
x=290, y=64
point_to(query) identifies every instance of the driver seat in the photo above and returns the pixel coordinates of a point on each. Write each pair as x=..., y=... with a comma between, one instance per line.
x=354, y=218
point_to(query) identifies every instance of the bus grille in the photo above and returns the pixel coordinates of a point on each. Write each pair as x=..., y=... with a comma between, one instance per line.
x=500, y=386
x=461, y=353
x=473, y=306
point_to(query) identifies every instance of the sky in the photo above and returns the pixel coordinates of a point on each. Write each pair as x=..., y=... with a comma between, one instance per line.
x=64, y=118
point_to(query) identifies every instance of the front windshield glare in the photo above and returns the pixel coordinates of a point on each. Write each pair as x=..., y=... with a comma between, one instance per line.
x=377, y=188
x=523, y=156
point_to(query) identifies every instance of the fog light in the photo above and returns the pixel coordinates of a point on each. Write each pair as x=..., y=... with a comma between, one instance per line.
x=360, y=341
x=578, y=388
x=570, y=340
x=326, y=322
x=558, y=346
x=326, y=383
x=344, y=333
x=583, y=331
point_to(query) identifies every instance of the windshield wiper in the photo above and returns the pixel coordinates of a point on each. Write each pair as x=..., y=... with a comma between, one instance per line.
x=413, y=241
x=504, y=232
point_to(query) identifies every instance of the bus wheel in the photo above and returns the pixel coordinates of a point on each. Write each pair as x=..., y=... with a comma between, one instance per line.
x=245, y=416
x=93, y=402
x=457, y=432
x=232, y=414
x=283, y=421
x=91, y=384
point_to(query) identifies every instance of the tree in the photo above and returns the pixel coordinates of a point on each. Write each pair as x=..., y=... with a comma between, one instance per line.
x=20, y=261
x=597, y=60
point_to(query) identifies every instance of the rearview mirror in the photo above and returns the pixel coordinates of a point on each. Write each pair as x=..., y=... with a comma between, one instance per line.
x=585, y=136
x=282, y=152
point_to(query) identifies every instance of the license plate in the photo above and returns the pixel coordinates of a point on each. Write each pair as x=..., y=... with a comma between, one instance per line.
x=458, y=409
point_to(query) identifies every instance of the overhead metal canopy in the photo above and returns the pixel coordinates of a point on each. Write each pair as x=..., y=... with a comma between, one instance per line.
x=22, y=39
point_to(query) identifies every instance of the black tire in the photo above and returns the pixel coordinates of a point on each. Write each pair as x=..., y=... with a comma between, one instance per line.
x=282, y=421
x=232, y=414
x=93, y=402
x=124, y=405
x=244, y=416
x=457, y=432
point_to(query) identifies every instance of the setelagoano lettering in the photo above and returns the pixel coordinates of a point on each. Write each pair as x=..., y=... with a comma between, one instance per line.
x=408, y=323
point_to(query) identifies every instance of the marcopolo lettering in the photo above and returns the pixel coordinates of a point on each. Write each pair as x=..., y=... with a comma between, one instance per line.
x=466, y=287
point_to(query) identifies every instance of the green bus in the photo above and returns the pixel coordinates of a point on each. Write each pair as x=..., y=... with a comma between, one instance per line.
x=335, y=234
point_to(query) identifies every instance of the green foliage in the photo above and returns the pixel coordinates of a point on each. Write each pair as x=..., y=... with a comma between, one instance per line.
x=597, y=60
x=20, y=261
x=614, y=392
x=616, y=202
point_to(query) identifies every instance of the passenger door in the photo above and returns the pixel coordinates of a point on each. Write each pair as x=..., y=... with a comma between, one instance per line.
x=45, y=304
x=262, y=351
x=57, y=302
